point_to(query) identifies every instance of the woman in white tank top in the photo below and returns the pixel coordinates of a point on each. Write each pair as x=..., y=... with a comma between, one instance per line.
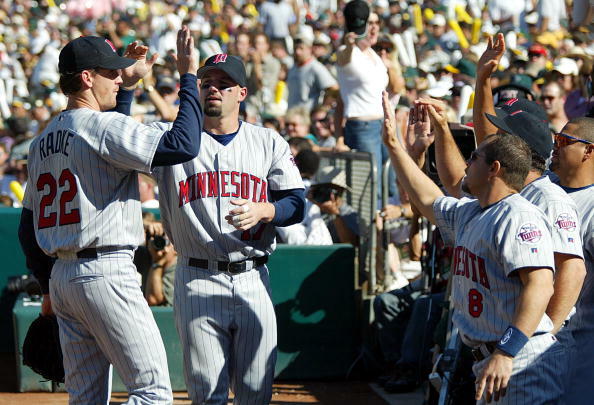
x=363, y=76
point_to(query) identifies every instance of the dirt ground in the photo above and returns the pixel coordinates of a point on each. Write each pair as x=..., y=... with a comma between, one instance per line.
x=285, y=393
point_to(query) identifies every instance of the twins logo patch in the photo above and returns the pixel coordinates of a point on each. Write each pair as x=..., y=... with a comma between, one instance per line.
x=506, y=336
x=529, y=233
x=565, y=222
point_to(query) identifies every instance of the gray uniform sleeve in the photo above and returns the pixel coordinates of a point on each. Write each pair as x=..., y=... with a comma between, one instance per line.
x=126, y=143
x=524, y=240
x=446, y=210
x=283, y=173
x=565, y=232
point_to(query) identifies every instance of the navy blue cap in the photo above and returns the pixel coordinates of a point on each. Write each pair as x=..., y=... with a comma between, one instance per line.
x=89, y=53
x=232, y=65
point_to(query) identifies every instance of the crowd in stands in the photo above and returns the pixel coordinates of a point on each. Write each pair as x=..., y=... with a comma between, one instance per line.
x=318, y=81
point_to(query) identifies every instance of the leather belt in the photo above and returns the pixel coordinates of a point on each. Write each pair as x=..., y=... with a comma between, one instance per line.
x=230, y=267
x=92, y=253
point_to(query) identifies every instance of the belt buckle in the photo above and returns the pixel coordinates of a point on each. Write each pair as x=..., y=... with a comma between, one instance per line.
x=236, y=267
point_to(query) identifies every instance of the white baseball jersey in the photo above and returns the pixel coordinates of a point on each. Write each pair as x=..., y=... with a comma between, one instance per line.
x=490, y=244
x=195, y=195
x=83, y=185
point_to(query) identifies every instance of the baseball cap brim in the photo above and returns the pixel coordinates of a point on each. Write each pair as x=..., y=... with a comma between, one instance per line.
x=205, y=69
x=499, y=120
x=116, y=62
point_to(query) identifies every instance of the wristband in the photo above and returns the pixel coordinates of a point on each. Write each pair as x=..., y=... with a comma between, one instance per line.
x=512, y=341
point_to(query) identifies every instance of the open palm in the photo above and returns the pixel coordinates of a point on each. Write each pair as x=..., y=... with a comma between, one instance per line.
x=489, y=60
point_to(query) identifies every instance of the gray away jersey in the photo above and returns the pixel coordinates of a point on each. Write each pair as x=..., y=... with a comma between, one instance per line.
x=195, y=195
x=562, y=213
x=582, y=324
x=83, y=182
x=490, y=244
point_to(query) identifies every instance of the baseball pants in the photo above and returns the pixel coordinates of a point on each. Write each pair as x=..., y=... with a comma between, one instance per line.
x=104, y=318
x=537, y=375
x=227, y=328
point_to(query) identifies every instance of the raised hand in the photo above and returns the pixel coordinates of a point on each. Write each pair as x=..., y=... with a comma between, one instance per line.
x=187, y=56
x=437, y=111
x=489, y=60
x=419, y=135
x=390, y=138
x=132, y=74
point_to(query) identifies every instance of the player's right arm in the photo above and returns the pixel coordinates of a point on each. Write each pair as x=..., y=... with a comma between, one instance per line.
x=421, y=189
x=570, y=272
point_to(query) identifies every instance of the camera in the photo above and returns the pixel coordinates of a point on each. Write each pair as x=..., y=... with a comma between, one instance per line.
x=464, y=138
x=25, y=283
x=158, y=242
x=320, y=194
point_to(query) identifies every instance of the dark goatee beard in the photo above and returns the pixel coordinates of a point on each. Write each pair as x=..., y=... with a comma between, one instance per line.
x=213, y=111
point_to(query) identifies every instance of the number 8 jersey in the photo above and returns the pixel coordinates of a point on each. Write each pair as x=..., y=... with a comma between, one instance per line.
x=83, y=183
x=490, y=245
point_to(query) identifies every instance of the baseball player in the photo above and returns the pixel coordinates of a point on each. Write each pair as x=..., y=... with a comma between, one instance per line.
x=573, y=165
x=503, y=267
x=82, y=208
x=220, y=211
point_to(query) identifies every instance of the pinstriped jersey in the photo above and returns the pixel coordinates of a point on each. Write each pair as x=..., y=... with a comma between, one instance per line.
x=561, y=211
x=195, y=195
x=490, y=244
x=582, y=324
x=83, y=182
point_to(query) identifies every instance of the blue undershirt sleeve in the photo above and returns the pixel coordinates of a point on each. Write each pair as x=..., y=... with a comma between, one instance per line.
x=37, y=261
x=124, y=101
x=289, y=206
x=182, y=142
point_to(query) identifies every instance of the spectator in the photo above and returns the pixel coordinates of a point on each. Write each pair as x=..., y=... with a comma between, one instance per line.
x=553, y=98
x=147, y=185
x=323, y=128
x=159, y=281
x=308, y=78
x=277, y=16
x=362, y=76
x=327, y=193
x=297, y=124
x=297, y=144
x=312, y=230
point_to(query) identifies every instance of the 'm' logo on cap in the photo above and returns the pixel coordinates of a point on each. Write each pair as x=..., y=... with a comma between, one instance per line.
x=511, y=102
x=220, y=58
x=110, y=45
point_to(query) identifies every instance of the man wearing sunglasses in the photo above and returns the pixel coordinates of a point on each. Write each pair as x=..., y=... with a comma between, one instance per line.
x=503, y=266
x=573, y=164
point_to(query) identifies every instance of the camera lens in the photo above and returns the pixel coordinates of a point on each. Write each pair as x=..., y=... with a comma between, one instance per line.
x=158, y=242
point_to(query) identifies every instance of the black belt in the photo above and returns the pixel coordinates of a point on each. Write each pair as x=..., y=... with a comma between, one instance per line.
x=230, y=267
x=483, y=351
x=93, y=253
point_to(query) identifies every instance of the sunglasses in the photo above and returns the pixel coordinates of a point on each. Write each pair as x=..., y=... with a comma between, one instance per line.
x=379, y=48
x=474, y=155
x=562, y=140
x=324, y=120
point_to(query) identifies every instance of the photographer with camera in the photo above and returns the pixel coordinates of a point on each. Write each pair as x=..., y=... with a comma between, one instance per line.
x=159, y=279
x=341, y=219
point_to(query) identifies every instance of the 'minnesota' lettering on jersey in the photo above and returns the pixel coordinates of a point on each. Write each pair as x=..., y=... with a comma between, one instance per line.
x=224, y=184
x=468, y=264
x=55, y=143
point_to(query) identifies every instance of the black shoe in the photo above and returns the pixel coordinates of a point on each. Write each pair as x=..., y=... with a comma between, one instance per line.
x=405, y=383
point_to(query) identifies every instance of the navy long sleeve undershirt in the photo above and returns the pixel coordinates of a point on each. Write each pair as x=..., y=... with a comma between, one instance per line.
x=289, y=206
x=37, y=261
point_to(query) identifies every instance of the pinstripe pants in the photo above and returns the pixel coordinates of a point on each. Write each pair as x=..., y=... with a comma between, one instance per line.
x=538, y=373
x=103, y=319
x=227, y=328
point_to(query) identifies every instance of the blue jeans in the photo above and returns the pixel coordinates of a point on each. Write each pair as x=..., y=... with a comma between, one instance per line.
x=366, y=136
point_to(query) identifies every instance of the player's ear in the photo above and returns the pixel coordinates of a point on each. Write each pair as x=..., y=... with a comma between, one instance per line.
x=495, y=168
x=86, y=77
x=242, y=93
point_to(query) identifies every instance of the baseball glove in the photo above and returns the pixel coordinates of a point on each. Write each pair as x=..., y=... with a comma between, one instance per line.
x=42, y=351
